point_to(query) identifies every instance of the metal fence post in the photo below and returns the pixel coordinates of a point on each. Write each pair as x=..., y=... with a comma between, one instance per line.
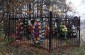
x=79, y=30
x=50, y=33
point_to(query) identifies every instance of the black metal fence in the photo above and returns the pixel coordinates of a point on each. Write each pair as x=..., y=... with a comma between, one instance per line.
x=60, y=32
x=55, y=38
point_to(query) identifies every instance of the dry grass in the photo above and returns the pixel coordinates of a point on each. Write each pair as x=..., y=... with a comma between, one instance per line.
x=25, y=49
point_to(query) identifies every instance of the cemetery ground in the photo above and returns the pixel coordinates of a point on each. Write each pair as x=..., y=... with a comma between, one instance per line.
x=18, y=48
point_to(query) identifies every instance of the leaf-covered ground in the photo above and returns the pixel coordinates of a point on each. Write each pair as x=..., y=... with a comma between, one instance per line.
x=25, y=49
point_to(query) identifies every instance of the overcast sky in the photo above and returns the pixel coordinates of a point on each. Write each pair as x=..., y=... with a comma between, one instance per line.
x=79, y=6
